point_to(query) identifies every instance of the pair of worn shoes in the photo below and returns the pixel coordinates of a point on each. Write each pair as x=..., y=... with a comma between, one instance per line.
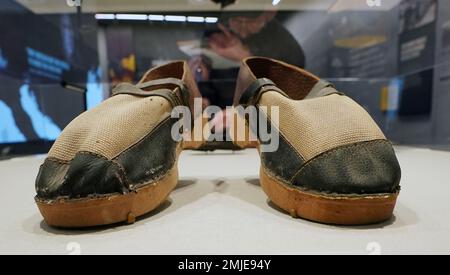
x=118, y=161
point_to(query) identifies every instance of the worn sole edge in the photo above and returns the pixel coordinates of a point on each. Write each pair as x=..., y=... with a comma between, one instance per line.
x=335, y=210
x=110, y=209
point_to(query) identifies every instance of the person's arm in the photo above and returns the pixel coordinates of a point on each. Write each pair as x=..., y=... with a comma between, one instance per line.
x=274, y=41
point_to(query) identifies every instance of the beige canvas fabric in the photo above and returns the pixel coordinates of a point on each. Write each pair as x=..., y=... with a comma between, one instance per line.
x=314, y=126
x=111, y=127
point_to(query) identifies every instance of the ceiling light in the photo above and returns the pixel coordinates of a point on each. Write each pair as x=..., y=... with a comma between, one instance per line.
x=196, y=19
x=156, y=17
x=211, y=20
x=131, y=17
x=276, y=2
x=175, y=18
x=103, y=16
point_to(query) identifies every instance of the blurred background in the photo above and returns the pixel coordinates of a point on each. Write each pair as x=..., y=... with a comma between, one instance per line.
x=59, y=58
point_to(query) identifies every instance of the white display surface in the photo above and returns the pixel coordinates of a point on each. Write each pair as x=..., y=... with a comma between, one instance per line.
x=219, y=208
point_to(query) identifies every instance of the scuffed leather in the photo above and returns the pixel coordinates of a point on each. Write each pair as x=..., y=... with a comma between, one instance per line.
x=284, y=162
x=87, y=174
x=92, y=175
x=51, y=177
x=144, y=161
x=363, y=168
x=152, y=157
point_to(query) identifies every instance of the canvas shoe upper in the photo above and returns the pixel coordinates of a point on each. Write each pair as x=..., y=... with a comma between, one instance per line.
x=122, y=144
x=328, y=143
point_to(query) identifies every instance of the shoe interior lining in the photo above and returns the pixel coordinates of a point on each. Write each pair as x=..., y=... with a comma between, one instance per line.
x=295, y=82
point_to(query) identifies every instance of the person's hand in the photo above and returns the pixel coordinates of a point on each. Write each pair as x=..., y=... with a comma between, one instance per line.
x=228, y=45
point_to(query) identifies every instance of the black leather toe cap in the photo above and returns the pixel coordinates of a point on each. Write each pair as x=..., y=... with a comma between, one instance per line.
x=85, y=175
x=89, y=174
x=363, y=168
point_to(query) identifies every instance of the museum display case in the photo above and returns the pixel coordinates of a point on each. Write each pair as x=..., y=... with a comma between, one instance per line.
x=62, y=58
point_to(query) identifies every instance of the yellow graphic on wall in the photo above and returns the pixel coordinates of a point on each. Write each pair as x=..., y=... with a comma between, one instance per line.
x=360, y=42
x=125, y=72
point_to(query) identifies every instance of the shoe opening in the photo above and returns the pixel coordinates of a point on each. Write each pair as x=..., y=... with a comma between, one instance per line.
x=170, y=70
x=295, y=82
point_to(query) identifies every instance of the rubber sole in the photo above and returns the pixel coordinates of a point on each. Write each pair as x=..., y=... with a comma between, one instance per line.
x=109, y=209
x=336, y=210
